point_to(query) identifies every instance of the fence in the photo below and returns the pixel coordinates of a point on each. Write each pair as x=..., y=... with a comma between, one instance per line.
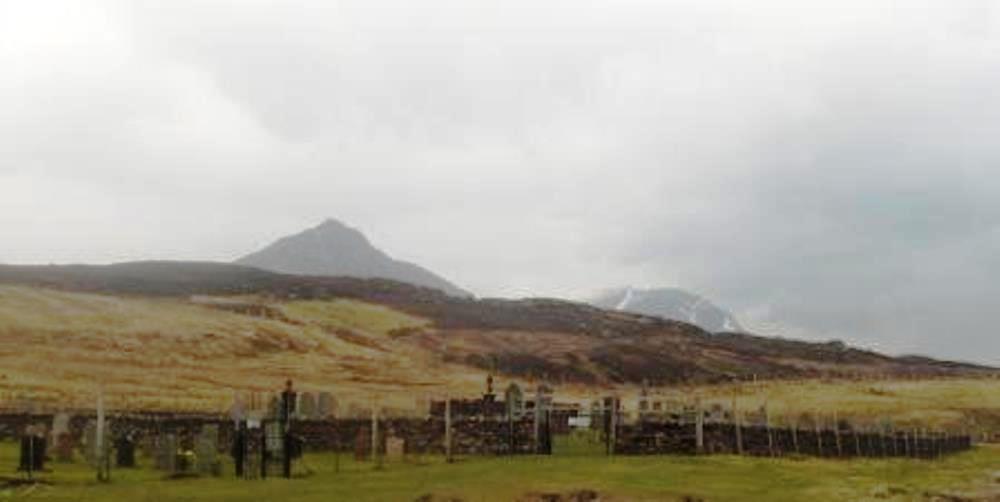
x=670, y=437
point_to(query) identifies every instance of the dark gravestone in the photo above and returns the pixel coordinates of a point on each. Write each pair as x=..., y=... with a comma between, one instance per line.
x=32, y=454
x=239, y=448
x=361, y=442
x=125, y=452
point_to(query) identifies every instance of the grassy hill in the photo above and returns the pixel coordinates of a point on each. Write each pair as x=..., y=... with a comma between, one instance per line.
x=187, y=335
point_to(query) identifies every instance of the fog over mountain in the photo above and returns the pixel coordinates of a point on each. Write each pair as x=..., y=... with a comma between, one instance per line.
x=827, y=167
x=334, y=249
x=670, y=303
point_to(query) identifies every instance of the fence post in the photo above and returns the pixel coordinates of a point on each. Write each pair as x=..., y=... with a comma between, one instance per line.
x=881, y=434
x=738, y=424
x=699, y=427
x=836, y=433
x=795, y=436
x=819, y=435
x=770, y=433
x=103, y=459
x=613, y=431
x=376, y=458
x=447, y=429
x=857, y=440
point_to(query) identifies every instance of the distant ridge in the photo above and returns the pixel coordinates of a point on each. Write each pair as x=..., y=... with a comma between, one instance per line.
x=560, y=340
x=337, y=250
x=670, y=303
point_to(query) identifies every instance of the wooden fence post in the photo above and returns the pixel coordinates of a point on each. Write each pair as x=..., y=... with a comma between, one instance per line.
x=770, y=433
x=699, y=427
x=376, y=458
x=447, y=428
x=819, y=435
x=836, y=433
x=795, y=436
x=613, y=426
x=738, y=424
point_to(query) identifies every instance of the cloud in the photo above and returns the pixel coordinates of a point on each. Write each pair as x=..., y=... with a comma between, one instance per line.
x=826, y=166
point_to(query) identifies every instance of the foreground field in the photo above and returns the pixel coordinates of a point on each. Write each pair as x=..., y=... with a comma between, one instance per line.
x=970, y=476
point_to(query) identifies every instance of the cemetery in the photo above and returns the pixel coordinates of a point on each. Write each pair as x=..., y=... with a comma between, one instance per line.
x=292, y=434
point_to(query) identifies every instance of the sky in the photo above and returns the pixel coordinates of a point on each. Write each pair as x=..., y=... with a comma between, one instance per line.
x=826, y=170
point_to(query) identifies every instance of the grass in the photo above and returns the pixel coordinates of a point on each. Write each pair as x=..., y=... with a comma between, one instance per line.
x=58, y=347
x=955, y=404
x=718, y=478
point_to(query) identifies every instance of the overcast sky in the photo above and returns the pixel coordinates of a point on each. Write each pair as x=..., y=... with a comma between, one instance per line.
x=824, y=169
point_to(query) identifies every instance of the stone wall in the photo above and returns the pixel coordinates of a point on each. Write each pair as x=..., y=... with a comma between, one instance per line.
x=470, y=435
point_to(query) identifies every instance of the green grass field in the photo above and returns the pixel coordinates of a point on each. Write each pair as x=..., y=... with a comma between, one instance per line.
x=329, y=477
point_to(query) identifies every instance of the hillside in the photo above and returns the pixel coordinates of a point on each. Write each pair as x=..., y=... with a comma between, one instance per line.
x=334, y=249
x=669, y=303
x=274, y=322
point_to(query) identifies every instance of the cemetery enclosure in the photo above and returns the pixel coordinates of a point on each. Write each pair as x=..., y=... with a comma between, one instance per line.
x=471, y=435
x=491, y=436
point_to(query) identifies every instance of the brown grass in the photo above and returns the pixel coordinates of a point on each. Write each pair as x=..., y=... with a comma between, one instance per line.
x=58, y=348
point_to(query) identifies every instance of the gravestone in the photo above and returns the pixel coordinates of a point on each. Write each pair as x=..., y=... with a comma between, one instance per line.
x=166, y=453
x=274, y=407
x=307, y=406
x=275, y=439
x=60, y=424
x=395, y=448
x=207, y=451
x=515, y=400
x=125, y=451
x=716, y=414
x=361, y=444
x=147, y=445
x=33, y=447
x=62, y=438
x=64, y=447
x=89, y=446
x=326, y=405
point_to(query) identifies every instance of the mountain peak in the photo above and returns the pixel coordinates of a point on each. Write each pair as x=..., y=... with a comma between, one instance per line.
x=333, y=224
x=337, y=231
x=333, y=248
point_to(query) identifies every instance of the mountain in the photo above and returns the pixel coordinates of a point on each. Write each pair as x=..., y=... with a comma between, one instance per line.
x=670, y=303
x=334, y=249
